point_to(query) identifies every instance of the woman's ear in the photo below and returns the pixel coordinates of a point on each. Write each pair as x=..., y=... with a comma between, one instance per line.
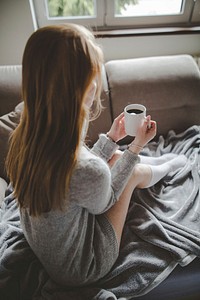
x=90, y=96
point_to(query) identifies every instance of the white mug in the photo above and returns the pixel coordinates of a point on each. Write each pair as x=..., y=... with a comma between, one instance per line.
x=134, y=116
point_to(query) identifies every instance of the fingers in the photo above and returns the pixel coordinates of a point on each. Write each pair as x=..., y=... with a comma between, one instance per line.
x=151, y=132
x=146, y=132
x=151, y=125
x=120, y=117
x=119, y=120
x=117, y=130
x=148, y=120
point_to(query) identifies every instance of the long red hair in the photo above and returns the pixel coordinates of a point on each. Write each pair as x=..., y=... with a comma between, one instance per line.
x=59, y=64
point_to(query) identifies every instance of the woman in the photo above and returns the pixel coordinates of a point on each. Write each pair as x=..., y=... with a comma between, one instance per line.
x=73, y=205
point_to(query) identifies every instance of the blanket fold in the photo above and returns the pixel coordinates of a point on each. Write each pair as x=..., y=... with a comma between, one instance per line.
x=161, y=231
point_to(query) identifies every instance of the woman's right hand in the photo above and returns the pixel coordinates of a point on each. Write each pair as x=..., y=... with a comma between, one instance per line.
x=144, y=134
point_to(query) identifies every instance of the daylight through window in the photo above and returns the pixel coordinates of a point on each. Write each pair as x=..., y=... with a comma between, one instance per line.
x=72, y=8
x=148, y=7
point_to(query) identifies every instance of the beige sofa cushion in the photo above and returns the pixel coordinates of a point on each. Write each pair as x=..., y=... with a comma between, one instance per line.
x=8, y=122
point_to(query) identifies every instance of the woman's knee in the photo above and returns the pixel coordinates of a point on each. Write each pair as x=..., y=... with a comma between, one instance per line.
x=142, y=174
x=115, y=157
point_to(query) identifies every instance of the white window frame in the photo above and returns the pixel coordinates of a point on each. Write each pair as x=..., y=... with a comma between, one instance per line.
x=105, y=17
x=195, y=18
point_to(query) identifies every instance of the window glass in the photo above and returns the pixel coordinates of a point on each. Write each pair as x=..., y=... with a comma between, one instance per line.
x=110, y=14
x=70, y=8
x=147, y=7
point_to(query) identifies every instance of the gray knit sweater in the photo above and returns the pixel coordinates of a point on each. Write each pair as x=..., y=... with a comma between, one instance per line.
x=78, y=245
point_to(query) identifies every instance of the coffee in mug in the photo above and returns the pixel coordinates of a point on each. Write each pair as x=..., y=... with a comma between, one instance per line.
x=134, y=116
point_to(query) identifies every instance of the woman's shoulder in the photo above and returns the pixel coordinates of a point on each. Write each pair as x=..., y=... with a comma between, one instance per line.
x=89, y=164
x=90, y=183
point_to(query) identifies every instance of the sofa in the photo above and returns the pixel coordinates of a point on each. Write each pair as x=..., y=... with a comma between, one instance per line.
x=169, y=87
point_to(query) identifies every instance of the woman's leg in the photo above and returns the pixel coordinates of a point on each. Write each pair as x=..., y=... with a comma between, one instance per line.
x=160, y=171
x=157, y=160
x=115, y=157
x=117, y=213
x=147, y=160
x=143, y=176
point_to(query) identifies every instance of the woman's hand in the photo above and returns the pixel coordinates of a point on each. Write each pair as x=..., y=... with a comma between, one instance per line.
x=144, y=134
x=117, y=130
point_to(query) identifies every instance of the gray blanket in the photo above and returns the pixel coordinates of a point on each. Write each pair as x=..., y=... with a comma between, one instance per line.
x=161, y=231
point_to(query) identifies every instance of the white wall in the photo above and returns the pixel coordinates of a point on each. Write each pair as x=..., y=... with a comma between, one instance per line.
x=141, y=46
x=16, y=26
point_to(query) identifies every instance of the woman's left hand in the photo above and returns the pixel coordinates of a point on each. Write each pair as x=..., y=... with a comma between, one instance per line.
x=117, y=130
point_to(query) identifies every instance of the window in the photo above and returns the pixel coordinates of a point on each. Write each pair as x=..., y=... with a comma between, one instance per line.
x=148, y=8
x=117, y=13
x=86, y=12
x=152, y=13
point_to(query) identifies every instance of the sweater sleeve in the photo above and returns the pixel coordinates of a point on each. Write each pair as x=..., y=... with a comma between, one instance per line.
x=122, y=170
x=96, y=187
x=104, y=147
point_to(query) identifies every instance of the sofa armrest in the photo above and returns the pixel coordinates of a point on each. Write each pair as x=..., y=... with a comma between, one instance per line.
x=10, y=88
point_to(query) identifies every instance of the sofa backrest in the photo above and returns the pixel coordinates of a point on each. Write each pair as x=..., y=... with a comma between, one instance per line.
x=10, y=96
x=168, y=86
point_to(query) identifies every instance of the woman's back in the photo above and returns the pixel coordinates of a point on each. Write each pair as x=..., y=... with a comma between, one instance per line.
x=75, y=245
